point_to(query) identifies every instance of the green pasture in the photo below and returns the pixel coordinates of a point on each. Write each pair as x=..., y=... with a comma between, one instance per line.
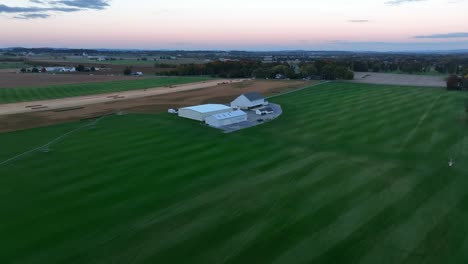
x=12, y=95
x=12, y=65
x=350, y=173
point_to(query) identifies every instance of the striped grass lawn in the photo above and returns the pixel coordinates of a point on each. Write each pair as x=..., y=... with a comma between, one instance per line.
x=350, y=173
x=12, y=65
x=12, y=95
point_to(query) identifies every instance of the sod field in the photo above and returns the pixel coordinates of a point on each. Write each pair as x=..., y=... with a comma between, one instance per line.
x=12, y=65
x=350, y=173
x=12, y=95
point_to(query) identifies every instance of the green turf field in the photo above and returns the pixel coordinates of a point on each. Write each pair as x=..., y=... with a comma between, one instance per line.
x=12, y=95
x=12, y=65
x=348, y=174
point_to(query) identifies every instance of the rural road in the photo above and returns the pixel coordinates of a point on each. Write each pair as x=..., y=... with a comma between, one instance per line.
x=35, y=106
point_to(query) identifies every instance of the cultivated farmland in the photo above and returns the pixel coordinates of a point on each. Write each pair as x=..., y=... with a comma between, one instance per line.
x=11, y=95
x=17, y=80
x=350, y=173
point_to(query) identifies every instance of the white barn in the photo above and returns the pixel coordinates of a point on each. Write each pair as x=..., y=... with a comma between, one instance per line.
x=228, y=118
x=60, y=69
x=249, y=100
x=201, y=112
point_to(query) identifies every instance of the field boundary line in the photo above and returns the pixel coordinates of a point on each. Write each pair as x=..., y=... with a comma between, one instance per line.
x=297, y=90
x=48, y=144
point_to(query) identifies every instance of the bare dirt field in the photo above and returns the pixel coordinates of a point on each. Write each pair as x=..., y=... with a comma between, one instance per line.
x=151, y=103
x=398, y=79
x=14, y=80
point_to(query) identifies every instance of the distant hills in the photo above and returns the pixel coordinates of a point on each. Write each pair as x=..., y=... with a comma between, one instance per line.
x=245, y=52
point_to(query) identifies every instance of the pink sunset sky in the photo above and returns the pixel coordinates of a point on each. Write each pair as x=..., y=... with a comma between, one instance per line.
x=380, y=25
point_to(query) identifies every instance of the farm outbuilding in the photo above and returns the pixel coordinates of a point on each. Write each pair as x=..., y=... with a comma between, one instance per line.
x=249, y=100
x=228, y=118
x=201, y=112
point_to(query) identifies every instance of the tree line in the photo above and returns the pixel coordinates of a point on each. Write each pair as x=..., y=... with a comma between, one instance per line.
x=321, y=69
x=410, y=65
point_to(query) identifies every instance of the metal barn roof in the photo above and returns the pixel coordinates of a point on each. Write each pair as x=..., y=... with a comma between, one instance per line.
x=254, y=96
x=229, y=114
x=206, y=108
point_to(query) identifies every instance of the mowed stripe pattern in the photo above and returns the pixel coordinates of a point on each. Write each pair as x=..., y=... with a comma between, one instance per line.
x=350, y=173
x=12, y=95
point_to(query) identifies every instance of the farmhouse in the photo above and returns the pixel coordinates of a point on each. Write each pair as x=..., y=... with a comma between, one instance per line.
x=249, y=100
x=228, y=118
x=201, y=112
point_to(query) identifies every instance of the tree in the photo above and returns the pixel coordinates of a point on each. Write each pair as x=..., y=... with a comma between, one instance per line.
x=452, y=67
x=465, y=73
x=260, y=73
x=329, y=72
x=344, y=73
x=453, y=82
x=465, y=83
x=319, y=64
x=80, y=68
x=127, y=71
x=283, y=70
x=376, y=68
x=360, y=66
x=308, y=70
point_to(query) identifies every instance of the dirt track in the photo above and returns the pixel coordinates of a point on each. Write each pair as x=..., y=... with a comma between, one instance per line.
x=25, y=107
x=147, y=103
x=398, y=79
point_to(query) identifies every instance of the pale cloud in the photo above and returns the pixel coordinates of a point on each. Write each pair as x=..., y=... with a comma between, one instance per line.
x=359, y=21
x=44, y=8
x=399, y=2
x=446, y=35
x=32, y=16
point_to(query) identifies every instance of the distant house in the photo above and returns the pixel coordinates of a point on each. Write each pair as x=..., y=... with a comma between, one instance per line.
x=268, y=59
x=249, y=100
x=97, y=58
x=279, y=76
x=313, y=77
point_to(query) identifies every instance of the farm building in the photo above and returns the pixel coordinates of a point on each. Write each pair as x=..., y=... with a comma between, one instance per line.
x=249, y=100
x=228, y=118
x=200, y=112
x=60, y=69
x=264, y=111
